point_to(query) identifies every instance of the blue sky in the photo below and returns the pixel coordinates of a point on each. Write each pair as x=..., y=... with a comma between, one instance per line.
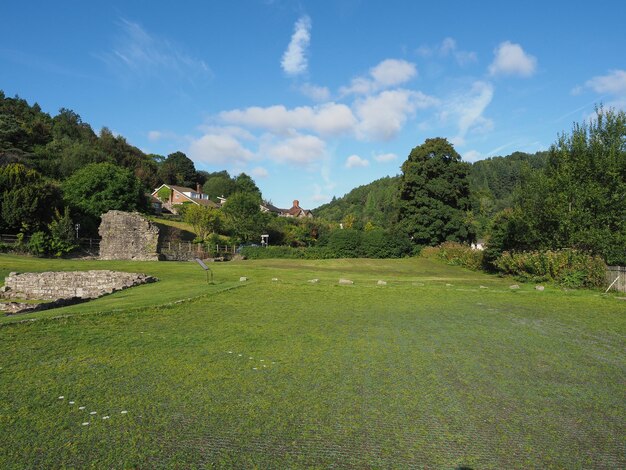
x=313, y=98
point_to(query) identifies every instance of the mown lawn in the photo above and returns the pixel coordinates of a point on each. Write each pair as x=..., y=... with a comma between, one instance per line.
x=430, y=370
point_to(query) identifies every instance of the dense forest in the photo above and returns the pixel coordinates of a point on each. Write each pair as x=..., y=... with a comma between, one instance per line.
x=493, y=185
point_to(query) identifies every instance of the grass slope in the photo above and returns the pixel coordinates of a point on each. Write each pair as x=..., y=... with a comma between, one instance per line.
x=431, y=370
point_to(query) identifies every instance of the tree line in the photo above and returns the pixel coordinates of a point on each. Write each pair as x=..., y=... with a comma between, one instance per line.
x=56, y=170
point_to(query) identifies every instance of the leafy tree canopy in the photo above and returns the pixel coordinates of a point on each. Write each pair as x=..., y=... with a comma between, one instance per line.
x=178, y=169
x=434, y=195
x=244, y=217
x=100, y=187
x=579, y=200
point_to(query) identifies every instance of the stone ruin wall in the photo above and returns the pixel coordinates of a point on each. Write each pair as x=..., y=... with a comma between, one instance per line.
x=128, y=236
x=69, y=285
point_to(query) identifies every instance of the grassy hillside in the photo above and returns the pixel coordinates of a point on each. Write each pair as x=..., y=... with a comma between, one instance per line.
x=440, y=368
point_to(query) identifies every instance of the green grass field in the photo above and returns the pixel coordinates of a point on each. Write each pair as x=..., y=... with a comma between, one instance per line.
x=430, y=370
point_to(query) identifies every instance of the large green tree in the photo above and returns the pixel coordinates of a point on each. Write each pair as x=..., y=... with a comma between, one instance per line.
x=27, y=199
x=579, y=201
x=434, y=195
x=100, y=187
x=219, y=184
x=178, y=169
x=244, y=217
x=204, y=220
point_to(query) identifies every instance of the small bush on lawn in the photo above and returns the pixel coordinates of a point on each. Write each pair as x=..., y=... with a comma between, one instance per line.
x=567, y=267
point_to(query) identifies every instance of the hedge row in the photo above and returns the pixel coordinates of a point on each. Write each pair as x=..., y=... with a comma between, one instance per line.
x=340, y=244
x=567, y=267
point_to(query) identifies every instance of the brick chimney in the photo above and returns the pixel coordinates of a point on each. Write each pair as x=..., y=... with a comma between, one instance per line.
x=296, y=203
x=198, y=188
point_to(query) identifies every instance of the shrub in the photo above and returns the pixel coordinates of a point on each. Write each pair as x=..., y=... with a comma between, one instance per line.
x=285, y=252
x=376, y=243
x=38, y=244
x=62, y=238
x=345, y=243
x=567, y=267
x=457, y=254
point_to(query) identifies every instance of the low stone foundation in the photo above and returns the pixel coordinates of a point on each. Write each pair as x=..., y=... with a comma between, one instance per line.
x=56, y=286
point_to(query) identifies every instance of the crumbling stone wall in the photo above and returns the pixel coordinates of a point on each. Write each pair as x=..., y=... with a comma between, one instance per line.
x=128, y=236
x=68, y=285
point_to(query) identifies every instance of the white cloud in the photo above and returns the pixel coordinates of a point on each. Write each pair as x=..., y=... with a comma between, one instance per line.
x=381, y=117
x=219, y=148
x=471, y=155
x=391, y=72
x=259, y=172
x=512, y=60
x=354, y=161
x=139, y=52
x=327, y=119
x=233, y=131
x=316, y=93
x=154, y=135
x=385, y=157
x=298, y=150
x=294, y=61
x=467, y=109
x=448, y=48
x=388, y=73
x=613, y=83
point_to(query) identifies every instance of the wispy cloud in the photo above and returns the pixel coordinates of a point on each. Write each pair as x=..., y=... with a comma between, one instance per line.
x=448, y=48
x=388, y=73
x=294, y=61
x=259, y=172
x=511, y=59
x=315, y=92
x=354, y=161
x=467, y=109
x=143, y=53
x=613, y=83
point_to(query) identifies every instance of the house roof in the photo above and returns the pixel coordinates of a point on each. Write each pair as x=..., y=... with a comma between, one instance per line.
x=273, y=208
x=206, y=202
x=181, y=189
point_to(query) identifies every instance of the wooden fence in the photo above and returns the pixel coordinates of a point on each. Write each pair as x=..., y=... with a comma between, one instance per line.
x=616, y=275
